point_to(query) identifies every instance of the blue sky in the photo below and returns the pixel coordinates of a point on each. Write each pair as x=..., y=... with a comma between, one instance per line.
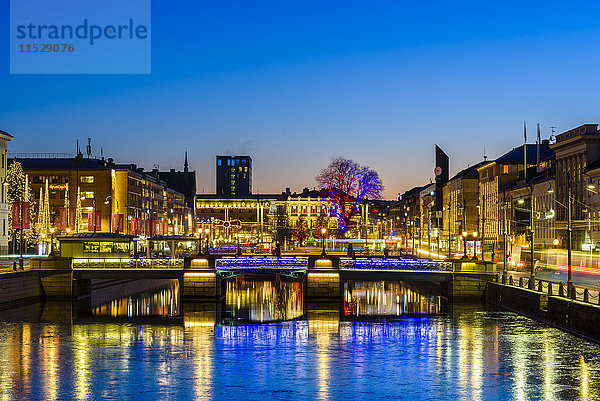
x=294, y=83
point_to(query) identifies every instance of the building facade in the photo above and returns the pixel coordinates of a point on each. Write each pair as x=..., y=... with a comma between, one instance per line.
x=575, y=150
x=86, y=194
x=5, y=138
x=234, y=175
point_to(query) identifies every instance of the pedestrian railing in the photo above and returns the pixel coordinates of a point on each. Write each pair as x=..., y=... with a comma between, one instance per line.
x=127, y=263
x=553, y=288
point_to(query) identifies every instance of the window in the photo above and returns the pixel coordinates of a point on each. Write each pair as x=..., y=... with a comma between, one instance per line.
x=219, y=162
x=86, y=179
x=505, y=169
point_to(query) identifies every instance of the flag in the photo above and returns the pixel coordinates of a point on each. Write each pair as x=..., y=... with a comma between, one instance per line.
x=63, y=218
x=16, y=214
x=26, y=215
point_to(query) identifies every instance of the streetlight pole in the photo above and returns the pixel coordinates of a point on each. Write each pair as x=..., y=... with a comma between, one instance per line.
x=323, y=232
x=449, y=234
x=569, y=236
x=483, y=228
x=532, y=233
x=504, y=255
x=21, y=231
x=207, y=232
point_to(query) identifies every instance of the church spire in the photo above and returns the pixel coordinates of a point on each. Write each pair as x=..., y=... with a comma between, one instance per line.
x=185, y=164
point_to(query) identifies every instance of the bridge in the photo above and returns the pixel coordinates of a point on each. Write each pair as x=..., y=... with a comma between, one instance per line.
x=323, y=276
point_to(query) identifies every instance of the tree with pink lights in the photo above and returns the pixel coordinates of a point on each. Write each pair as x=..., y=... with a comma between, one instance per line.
x=348, y=184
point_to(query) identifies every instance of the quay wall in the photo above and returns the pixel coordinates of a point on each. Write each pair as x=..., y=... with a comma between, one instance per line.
x=570, y=315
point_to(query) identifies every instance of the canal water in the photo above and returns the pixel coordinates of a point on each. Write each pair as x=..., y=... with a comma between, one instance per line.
x=263, y=341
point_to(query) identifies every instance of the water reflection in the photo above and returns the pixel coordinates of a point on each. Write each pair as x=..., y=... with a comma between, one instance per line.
x=152, y=303
x=387, y=298
x=466, y=354
x=258, y=299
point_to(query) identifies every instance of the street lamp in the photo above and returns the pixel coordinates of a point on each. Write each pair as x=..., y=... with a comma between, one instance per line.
x=323, y=232
x=464, y=235
x=475, y=233
x=51, y=242
x=207, y=231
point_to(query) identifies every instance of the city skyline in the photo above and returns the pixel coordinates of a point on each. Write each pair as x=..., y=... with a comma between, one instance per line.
x=368, y=86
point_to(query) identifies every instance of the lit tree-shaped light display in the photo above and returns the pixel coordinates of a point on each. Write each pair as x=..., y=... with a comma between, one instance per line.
x=78, y=212
x=301, y=231
x=18, y=190
x=348, y=184
x=43, y=228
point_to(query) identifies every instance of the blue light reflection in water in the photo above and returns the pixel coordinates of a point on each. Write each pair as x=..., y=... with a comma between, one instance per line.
x=465, y=354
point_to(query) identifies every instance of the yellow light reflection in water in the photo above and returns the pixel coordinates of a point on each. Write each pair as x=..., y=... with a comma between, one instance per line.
x=584, y=378
x=81, y=360
x=275, y=299
x=386, y=298
x=161, y=303
x=203, y=351
x=322, y=325
x=49, y=339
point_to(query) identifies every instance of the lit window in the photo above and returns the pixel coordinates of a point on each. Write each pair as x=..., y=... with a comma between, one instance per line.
x=505, y=169
x=86, y=179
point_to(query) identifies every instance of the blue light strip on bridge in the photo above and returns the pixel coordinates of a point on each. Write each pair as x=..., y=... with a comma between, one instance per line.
x=266, y=262
x=393, y=264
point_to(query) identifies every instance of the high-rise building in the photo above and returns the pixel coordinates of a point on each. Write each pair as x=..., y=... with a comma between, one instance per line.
x=234, y=175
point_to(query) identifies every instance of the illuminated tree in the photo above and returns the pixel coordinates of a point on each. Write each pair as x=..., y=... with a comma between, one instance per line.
x=348, y=184
x=301, y=231
x=18, y=190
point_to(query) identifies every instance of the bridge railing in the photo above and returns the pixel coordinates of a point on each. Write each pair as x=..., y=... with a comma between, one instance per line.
x=394, y=264
x=262, y=262
x=553, y=288
x=127, y=263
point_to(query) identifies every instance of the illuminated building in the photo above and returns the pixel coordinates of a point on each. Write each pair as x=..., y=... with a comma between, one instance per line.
x=258, y=214
x=140, y=202
x=5, y=138
x=461, y=206
x=183, y=182
x=234, y=175
x=221, y=214
x=497, y=178
x=575, y=149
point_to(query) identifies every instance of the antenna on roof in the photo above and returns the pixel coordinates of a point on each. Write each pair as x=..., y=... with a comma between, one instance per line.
x=484, y=155
x=552, y=136
x=89, y=148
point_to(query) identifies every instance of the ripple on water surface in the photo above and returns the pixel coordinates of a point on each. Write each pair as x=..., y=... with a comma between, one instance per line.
x=412, y=347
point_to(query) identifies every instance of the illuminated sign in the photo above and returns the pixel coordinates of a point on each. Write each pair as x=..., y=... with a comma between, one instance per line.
x=58, y=187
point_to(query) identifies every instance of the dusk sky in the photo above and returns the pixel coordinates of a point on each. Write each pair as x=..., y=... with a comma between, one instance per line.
x=294, y=83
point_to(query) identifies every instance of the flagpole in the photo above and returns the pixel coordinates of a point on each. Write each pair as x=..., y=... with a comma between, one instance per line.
x=525, y=150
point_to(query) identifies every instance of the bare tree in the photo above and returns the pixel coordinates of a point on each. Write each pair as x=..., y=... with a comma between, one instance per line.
x=348, y=184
